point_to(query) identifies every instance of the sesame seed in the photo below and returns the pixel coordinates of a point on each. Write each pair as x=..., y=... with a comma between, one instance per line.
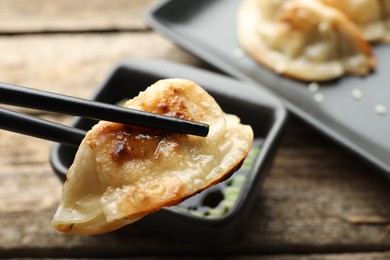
x=380, y=109
x=313, y=87
x=238, y=53
x=319, y=97
x=357, y=94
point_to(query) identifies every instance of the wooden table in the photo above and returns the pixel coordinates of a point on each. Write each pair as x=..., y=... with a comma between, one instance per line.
x=319, y=201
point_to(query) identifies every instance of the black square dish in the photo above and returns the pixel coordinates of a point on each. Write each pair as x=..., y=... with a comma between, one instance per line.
x=217, y=214
x=352, y=110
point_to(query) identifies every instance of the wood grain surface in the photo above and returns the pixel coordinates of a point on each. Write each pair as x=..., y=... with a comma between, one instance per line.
x=319, y=200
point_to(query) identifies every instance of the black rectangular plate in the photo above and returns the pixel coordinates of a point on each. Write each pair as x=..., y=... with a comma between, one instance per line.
x=208, y=29
x=264, y=112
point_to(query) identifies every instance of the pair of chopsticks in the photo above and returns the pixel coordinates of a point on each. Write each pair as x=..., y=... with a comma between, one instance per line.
x=48, y=101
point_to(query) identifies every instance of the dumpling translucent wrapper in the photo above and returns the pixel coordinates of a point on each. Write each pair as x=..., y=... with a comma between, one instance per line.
x=122, y=172
x=303, y=39
x=372, y=17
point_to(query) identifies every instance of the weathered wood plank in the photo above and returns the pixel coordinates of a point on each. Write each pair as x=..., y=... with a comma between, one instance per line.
x=318, y=197
x=24, y=16
x=76, y=64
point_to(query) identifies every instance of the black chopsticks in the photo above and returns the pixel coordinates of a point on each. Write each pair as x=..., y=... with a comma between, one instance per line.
x=48, y=101
x=37, y=127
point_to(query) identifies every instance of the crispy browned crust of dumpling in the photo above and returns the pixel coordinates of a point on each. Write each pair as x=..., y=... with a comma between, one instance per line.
x=303, y=39
x=122, y=172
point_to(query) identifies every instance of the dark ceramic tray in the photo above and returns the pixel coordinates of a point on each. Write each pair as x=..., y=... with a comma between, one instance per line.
x=208, y=29
x=217, y=214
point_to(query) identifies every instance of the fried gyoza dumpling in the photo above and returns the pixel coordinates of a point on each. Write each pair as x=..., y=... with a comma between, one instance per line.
x=371, y=16
x=303, y=39
x=123, y=172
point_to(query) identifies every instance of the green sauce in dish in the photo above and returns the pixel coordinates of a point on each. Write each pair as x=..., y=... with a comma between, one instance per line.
x=217, y=201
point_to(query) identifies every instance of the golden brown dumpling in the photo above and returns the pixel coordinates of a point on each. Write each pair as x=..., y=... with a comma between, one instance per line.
x=122, y=172
x=371, y=16
x=303, y=39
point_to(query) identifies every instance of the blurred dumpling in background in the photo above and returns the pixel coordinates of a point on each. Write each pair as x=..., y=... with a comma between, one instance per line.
x=303, y=39
x=372, y=17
